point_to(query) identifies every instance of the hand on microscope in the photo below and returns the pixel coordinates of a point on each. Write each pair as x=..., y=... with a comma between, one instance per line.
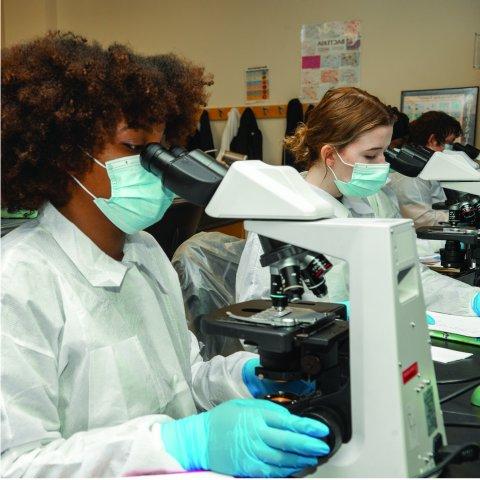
x=246, y=438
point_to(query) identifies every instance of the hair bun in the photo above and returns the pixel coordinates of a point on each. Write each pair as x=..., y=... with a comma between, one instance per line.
x=298, y=145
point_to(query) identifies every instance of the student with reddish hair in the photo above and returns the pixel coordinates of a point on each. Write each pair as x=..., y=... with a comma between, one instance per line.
x=341, y=147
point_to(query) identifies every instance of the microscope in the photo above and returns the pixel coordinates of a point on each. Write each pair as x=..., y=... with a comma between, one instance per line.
x=457, y=170
x=470, y=150
x=297, y=340
x=375, y=381
x=460, y=258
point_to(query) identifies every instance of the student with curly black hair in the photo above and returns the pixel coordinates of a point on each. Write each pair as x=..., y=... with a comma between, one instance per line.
x=100, y=376
x=437, y=131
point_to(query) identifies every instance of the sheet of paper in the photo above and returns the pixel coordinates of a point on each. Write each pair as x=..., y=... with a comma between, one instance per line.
x=445, y=355
x=468, y=326
x=257, y=84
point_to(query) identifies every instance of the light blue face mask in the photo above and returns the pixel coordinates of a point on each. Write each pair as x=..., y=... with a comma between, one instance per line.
x=138, y=198
x=367, y=179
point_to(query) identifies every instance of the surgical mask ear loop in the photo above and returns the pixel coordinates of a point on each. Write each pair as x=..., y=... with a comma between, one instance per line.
x=80, y=183
x=330, y=168
x=341, y=159
x=94, y=159
x=84, y=187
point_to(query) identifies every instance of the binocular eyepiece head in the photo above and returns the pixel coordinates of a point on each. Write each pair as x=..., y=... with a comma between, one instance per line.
x=194, y=176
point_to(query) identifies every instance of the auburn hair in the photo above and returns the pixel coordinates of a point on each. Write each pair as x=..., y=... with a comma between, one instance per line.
x=340, y=118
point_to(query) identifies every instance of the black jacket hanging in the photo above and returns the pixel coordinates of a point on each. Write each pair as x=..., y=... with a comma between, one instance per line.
x=202, y=138
x=307, y=112
x=249, y=138
x=294, y=117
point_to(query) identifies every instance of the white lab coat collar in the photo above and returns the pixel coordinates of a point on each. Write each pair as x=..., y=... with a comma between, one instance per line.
x=339, y=210
x=94, y=264
x=359, y=205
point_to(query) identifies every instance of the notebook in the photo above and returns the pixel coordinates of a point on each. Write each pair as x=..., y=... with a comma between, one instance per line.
x=455, y=328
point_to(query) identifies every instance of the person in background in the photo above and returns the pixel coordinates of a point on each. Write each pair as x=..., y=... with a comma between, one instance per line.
x=99, y=374
x=342, y=148
x=400, y=127
x=437, y=131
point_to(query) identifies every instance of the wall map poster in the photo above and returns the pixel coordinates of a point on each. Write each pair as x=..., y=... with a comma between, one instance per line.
x=460, y=103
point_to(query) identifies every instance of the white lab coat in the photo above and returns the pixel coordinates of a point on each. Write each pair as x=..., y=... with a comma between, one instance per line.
x=229, y=132
x=95, y=354
x=416, y=197
x=442, y=294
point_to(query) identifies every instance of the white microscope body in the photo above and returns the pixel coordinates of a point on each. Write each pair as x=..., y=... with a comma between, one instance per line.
x=395, y=407
x=454, y=170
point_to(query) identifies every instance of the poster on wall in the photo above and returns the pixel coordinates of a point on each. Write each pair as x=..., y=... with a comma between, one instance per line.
x=330, y=57
x=257, y=84
x=460, y=103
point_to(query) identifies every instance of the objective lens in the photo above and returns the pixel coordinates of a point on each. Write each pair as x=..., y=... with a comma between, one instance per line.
x=467, y=213
x=313, y=274
x=454, y=215
x=278, y=297
x=475, y=203
x=292, y=284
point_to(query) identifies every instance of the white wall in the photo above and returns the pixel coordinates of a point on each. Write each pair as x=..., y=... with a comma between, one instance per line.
x=407, y=44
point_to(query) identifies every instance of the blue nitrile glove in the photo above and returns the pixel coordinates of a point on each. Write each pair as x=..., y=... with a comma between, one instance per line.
x=249, y=438
x=430, y=320
x=476, y=304
x=259, y=388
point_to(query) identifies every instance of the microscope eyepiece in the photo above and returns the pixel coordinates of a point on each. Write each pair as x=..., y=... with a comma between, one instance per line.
x=470, y=150
x=408, y=160
x=194, y=176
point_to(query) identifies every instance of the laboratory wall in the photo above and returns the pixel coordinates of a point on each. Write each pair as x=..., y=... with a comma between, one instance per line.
x=406, y=44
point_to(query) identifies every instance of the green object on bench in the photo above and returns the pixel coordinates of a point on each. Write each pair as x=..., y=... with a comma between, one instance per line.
x=19, y=214
x=454, y=337
x=475, y=400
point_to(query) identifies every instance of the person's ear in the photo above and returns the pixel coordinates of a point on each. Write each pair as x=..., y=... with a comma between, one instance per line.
x=327, y=154
x=432, y=141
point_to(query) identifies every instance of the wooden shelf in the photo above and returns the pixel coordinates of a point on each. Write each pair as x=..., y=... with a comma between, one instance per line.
x=261, y=111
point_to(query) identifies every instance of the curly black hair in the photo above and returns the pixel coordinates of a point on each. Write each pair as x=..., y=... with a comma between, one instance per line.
x=440, y=124
x=62, y=94
x=188, y=80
